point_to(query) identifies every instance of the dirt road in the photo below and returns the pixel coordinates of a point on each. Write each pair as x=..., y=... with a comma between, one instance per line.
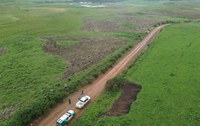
x=97, y=86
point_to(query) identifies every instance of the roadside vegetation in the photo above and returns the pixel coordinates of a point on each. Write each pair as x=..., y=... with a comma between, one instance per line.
x=168, y=74
x=32, y=80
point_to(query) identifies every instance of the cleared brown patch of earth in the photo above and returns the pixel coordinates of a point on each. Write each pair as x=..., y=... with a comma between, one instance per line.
x=7, y=112
x=2, y=51
x=81, y=56
x=115, y=25
x=122, y=105
x=184, y=13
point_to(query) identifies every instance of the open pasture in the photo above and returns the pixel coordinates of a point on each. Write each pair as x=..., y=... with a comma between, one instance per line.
x=28, y=73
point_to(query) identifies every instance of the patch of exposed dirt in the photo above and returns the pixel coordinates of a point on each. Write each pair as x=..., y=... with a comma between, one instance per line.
x=7, y=112
x=100, y=25
x=178, y=13
x=81, y=56
x=187, y=12
x=2, y=51
x=122, y=105
x=113, y=25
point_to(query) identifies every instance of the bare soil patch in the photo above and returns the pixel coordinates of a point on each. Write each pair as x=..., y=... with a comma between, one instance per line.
x=7, y=112
x=81, y=56
x=122, y=105
x=114, y=25
x=187, y=12
x=2, y=51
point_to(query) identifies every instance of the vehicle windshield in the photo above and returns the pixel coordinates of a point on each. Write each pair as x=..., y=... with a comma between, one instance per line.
x=69, y=114
x=83, y=99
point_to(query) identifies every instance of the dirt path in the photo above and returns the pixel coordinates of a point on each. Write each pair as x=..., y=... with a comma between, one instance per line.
x=97, y=86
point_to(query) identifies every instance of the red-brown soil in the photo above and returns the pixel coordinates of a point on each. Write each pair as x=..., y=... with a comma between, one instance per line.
x=81, y=56
x=122, y=105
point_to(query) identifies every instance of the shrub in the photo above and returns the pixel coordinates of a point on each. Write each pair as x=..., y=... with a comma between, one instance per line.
x=115, y=83
x=95, y=74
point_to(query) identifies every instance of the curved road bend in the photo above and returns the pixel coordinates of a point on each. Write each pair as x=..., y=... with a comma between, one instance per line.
x=97, y=86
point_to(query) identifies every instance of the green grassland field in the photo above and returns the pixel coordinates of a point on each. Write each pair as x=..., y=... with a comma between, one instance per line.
x=27, y=73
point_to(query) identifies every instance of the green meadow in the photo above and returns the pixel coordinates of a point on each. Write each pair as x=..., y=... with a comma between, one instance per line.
x=169, y=75
x=30, y=79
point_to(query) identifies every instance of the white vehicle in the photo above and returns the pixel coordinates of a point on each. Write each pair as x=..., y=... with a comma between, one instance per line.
x=64, y=119
x=84, y=100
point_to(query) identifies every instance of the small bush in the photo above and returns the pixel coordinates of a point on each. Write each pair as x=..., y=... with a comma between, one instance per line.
x=95, y=74
x=115, y=83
